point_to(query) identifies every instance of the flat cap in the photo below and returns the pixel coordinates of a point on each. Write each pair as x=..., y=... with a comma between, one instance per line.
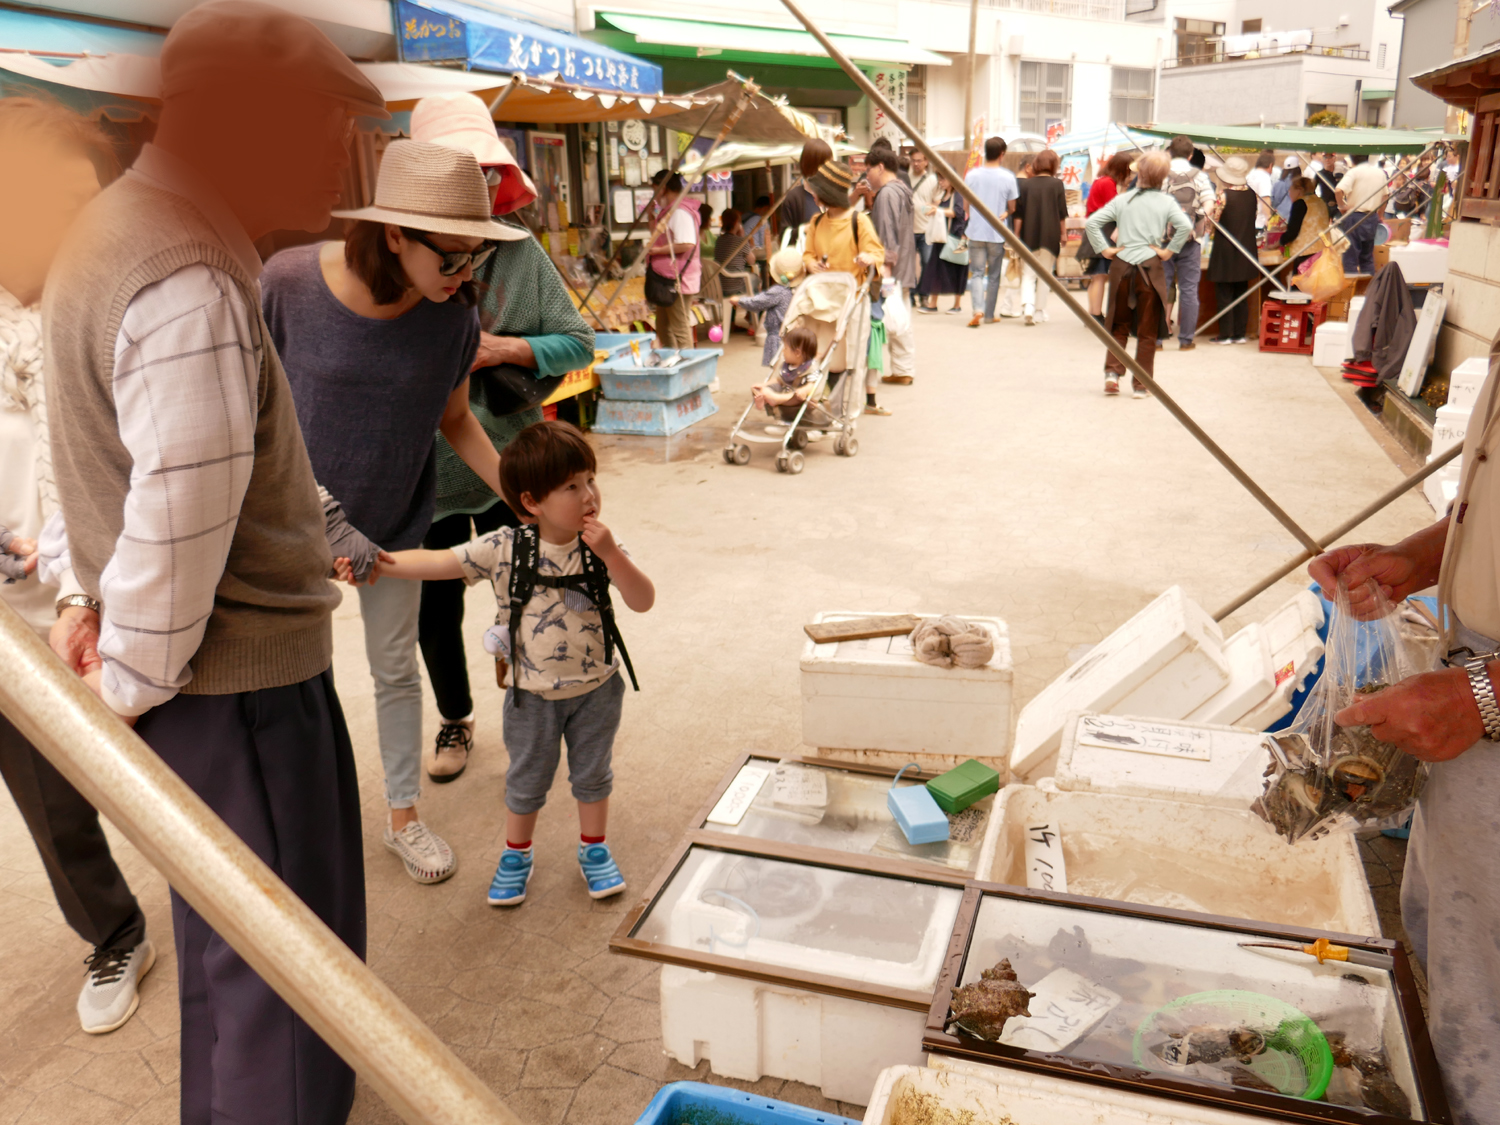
x=234, y=40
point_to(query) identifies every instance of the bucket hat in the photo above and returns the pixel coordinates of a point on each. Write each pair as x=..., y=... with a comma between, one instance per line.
x=1233, y=171
x=830, y=183
x=461, y=121
x=435, y=189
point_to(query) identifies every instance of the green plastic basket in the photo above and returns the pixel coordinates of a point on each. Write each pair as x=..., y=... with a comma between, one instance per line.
x=1296, y=1060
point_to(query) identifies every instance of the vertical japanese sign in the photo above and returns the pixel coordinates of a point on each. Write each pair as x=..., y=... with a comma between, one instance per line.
x=892, y=84
x=976, y=149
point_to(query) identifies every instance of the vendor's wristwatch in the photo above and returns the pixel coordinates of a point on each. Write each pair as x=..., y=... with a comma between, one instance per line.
x=1484, y=695
x=83, y=601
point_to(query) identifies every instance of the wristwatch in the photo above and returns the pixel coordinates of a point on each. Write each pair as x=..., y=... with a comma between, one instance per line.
x=1484, y=695
x=83, y=601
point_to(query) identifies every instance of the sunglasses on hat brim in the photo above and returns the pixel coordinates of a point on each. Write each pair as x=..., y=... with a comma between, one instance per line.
x=453, y=261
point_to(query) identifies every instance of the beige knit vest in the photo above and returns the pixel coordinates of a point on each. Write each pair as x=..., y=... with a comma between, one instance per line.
x=271, y=622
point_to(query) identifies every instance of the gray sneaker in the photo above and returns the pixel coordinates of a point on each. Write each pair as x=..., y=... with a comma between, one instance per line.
x=427, y=856
x=111, y=994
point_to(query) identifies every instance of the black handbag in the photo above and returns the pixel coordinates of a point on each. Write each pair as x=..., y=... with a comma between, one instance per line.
x=660, y=290
x=509, y=388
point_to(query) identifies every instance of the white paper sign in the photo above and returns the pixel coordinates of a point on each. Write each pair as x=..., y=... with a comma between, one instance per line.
x=1065, y=1008
x=1046, y=870
x=732, y=806
x=1166, y=739
x=801, y=788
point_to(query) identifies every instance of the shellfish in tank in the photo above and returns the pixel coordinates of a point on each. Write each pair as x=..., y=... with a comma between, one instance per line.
x=982, y=1007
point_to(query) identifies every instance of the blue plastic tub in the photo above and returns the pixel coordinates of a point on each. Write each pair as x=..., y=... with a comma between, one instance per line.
x=621, y=380
x=653, y=419
x=614, y=341
x=697, y=1103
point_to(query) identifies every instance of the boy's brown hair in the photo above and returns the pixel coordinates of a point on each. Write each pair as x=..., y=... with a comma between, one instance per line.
x=540, y=459
x=803, y=338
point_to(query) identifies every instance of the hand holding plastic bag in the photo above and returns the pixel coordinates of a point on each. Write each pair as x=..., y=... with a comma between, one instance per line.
x=1322, y=774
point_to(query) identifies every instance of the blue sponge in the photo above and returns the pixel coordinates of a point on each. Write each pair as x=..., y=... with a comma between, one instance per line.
x=921, y=821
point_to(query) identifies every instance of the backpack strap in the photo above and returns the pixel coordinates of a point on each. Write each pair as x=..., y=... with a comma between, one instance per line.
x=523, y=582
x=593, y=584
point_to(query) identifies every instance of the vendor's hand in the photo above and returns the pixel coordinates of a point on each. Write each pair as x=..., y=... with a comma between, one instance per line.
x=1432, y=716
x=497, y=349
x=599, y=540
x=1109, y=251
x=1164, y=254
x=1396, y=571
x=75, y=638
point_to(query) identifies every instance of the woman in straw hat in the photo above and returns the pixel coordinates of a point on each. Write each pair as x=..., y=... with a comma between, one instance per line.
x=378, y=334
x=526, y=318
x=1231, y=263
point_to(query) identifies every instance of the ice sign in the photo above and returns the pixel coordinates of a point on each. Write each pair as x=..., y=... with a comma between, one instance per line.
x=1144, y=737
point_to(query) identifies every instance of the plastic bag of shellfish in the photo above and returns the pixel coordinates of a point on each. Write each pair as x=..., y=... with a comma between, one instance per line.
x=1321, y=774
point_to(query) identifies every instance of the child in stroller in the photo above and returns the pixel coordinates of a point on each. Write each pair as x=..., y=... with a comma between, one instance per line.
x=784, y=392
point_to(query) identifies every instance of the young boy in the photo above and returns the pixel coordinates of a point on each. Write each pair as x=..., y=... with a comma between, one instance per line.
x=17, y=556
x=791, y=384
x=786, y=270
x=561, y=642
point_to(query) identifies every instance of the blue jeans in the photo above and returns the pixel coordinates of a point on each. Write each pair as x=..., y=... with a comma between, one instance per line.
x=1185, y=267
x=986, y=263
x=924, y=252
x=1360, y=228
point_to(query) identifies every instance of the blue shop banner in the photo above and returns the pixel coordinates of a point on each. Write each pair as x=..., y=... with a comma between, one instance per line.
x=506, y=45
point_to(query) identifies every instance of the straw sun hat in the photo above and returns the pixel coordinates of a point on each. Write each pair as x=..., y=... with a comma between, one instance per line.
x=461, y=121
x=435, y=189
x=1233, y=171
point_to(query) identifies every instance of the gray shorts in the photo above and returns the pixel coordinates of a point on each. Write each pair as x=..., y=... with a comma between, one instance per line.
x=534, y=733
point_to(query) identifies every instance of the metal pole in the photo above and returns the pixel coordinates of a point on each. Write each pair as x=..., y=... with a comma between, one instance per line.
x=1330, y=538
x=969, y=74
x=238, y=895
x=1052, y=282
x=1254, y=261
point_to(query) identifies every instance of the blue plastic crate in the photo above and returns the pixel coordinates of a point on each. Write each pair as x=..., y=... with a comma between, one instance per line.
x=653, y=419
x=621, y=380
x=614, y=341
x=697, y=1103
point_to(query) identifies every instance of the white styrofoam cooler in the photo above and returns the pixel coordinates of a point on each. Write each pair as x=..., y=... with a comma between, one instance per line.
x=1096, y=758
x=1185, y=856
x=875, y=699
x=1166, y=660
x=1441, y=489
x=1422, y=263
x=1465, y=381
x=1449, y=427
x=1292, y=633
x=1332, y=344
x=952, y=1090
x=748, y=1030
x=1252, y=677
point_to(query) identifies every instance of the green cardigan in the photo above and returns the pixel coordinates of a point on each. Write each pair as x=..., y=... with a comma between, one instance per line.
x=520, y=294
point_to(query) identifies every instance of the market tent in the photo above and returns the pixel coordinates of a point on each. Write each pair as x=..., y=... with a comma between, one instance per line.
x=765, y=120
x=736, y=156
x=747, y=42
x=1305, y=139
x=1111, y=136
x=89, y=67
x=134, y=76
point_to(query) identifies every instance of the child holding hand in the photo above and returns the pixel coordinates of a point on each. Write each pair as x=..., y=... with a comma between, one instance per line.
x=792, y=383
x=556, y=626
x=17, y=556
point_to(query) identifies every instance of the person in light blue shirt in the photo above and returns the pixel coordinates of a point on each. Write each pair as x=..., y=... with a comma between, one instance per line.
x=996, y=188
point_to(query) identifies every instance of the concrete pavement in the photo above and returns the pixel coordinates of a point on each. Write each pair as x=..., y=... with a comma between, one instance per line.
x=1005, y=484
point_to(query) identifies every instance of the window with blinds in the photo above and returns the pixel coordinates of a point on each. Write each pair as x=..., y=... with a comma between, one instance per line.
x=1046, y=95
x=1132, y=95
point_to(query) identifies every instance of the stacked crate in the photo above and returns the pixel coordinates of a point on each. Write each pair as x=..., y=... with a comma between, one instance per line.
x=655, y=401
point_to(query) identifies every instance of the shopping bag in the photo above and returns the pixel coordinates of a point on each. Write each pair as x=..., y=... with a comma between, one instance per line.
x=1322, y=278
x=955, y=251
x=1321, y=774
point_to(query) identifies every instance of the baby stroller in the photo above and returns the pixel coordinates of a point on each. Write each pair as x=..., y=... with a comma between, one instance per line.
x=838, y=306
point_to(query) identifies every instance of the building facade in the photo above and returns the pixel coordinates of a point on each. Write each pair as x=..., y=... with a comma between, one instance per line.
x=1429, y=29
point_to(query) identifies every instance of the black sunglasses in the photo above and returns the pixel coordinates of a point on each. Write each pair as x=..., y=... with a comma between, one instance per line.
x=454, y=260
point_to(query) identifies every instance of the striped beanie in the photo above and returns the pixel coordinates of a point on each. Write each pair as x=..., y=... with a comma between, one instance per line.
x=831, y=182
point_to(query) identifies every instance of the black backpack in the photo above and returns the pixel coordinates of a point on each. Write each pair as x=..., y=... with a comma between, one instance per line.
x=593, y=584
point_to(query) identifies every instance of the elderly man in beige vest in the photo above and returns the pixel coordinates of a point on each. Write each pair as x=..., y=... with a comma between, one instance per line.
x=193, y=519
x=1450, y=894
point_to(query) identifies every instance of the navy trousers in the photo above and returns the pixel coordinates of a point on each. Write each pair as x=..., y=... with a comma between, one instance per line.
x=278, y=767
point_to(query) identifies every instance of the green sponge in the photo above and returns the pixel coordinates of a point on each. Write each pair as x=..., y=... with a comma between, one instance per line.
x=964, y=784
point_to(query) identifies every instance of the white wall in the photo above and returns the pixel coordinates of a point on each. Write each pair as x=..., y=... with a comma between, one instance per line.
x=869, y=17
x=1240, y=93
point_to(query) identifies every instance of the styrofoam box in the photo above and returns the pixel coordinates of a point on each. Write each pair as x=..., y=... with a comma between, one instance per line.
x=748, y=1030
x=1096, y=758
x=1186, y=856
x=1330, y=344
x=977, y=1094
x=1294, y=662
x=874, y=695
x=1303, y=611
x=1465, y=380
x=1252, y=677
x=1441, y=489
x=1165, y=661
x=1421, y=263
x=1450, y=427
x=1356, y=306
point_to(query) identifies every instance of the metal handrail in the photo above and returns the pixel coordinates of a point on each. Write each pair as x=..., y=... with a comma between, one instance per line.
x=1269, y=53
x=238, y=895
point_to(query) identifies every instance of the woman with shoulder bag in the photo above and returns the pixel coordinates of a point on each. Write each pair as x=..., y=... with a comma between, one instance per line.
x=530, y=337
x=947, y=270
x=1232, y=261
x=674, y=266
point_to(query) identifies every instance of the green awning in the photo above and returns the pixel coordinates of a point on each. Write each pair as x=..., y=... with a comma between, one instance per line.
x=1300, y=139
x=1376, y=95
x=705, y=37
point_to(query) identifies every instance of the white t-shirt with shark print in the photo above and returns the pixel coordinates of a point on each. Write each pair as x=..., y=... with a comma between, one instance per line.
x=561, y=633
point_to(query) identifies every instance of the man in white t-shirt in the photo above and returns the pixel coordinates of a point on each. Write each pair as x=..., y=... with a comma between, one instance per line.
x=1259, y=181
x=1361, y=196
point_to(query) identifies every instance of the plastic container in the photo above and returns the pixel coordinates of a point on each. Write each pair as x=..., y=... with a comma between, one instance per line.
x=1450, y=427
x=621, y=380
x=698, y=1103
x=1252, y=677
x=964, y=784
x=1465, y=381
x=1441, y=489
x=955, y=1091
x=613, y=341
x=1185, y=856
x=654, y=419
x=1422, y=263
x=1194, y=762
x=748, y=1030
x=873, y=700
x=1166, y=661
x=1331, y=344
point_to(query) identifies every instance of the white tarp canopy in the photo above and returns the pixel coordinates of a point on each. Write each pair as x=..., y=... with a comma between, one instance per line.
x=133, y=76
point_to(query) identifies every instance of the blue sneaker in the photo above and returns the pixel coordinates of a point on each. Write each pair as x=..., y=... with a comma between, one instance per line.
x=600, y=871
x=508, y=887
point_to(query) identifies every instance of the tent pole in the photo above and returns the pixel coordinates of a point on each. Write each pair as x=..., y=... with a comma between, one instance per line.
x=969, y=74
x=1014, y=242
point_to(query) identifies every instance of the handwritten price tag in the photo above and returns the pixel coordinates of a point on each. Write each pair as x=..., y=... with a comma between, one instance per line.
x=737, y=799
x=1065, y=1009
x=801, y=788
x=1046, y=870
x=1166, y=739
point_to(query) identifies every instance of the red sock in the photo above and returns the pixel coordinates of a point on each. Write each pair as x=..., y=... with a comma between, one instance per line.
x=526, y=847
x=591, y=839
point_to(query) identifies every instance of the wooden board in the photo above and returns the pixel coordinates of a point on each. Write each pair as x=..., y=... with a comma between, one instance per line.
x=861, y=628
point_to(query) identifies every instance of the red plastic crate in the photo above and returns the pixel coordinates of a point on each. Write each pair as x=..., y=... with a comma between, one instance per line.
x=1286, y=327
